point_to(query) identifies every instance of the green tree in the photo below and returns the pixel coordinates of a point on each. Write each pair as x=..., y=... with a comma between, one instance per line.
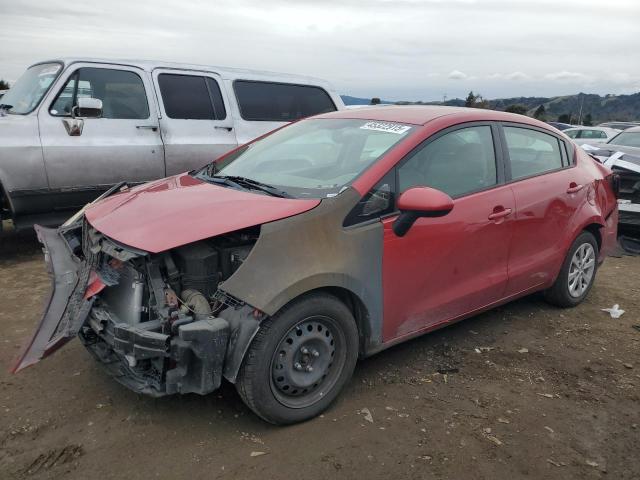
x=4, y=85
x=588, y=120
x=564, y=118
x=516, y=108
x=475, y=101
x=471, y=100
x=375, y=101
x=540, y=113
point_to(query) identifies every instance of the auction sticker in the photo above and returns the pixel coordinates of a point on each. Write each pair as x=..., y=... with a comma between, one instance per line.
x=386, y=127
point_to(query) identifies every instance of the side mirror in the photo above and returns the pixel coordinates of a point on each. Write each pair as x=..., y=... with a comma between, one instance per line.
x=87, y=108
x=419, y=202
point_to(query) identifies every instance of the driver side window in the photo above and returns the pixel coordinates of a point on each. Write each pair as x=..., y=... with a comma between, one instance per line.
x=457, y=163
x=122, y=93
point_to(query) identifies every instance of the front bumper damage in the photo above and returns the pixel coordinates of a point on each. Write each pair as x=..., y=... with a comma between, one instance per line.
x=115, y=300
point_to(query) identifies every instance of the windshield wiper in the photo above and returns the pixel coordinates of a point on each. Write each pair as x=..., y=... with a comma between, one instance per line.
x=222, y=181
x=4, y=106
x=248, y=182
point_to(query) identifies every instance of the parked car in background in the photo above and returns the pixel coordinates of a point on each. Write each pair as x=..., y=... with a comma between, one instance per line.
x=336, y=237
x=620, y=125
x=629, y=138
x=72, y=128
x=591, y=135
x=560, y=126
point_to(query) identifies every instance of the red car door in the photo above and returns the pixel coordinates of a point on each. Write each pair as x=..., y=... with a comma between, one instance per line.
x=547, y=191
x=446, y=267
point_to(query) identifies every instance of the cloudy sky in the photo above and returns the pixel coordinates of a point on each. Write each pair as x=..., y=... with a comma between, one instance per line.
x=395, y=49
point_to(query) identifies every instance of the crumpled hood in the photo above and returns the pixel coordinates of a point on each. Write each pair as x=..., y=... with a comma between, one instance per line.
x=168, y=213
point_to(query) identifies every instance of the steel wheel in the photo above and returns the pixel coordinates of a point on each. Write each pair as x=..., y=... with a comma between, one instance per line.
x=581, y=270
x=307, y=362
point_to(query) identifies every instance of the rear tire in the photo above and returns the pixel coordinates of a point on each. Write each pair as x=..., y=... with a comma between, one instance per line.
x=299, y=360
x=577, y=274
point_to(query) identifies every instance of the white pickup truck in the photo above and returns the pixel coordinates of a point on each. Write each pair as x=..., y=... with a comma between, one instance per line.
x=72, y=128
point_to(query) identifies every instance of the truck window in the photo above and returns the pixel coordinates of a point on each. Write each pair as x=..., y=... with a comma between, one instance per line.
x=122, y=93
x=280, y=102
x=191, y=97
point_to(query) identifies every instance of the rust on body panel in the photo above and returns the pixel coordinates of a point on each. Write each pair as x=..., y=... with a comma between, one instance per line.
x=313, y=250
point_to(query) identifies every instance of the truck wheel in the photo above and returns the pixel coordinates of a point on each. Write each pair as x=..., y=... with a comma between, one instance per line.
x=577, y=274
x=299, y=360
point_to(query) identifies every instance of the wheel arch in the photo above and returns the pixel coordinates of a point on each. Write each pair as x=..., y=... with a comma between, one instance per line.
x=244, y=327
x=357, y=308
x=596, y=230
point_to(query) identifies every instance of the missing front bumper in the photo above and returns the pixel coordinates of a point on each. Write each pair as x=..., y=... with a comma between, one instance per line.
x=157, y=364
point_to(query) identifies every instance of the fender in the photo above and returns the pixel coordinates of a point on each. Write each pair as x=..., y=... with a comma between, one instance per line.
x=302, y=253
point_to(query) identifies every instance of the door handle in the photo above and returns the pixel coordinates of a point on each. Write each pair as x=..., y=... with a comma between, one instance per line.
x=153, y=128
x=574, y=187
x=220, y=127
x=496, y=215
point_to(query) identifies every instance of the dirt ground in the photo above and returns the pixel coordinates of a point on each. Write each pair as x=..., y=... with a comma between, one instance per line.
x=552, y=394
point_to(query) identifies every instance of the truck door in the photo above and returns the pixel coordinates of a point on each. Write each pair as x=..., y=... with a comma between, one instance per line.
x=196, y=122
x=123, y=145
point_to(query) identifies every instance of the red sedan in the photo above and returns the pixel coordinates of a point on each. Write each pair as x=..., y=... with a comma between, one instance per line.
x=281, y=263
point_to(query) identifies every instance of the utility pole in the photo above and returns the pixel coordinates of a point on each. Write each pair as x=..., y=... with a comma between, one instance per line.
x=581, y=104
x=444, y=98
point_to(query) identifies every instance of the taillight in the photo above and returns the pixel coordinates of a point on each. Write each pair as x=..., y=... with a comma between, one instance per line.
x=614, y=182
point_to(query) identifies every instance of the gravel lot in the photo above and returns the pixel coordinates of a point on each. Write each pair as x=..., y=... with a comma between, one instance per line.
x=552, y=394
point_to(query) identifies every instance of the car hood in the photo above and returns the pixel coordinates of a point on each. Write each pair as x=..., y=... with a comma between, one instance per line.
x=165, y=214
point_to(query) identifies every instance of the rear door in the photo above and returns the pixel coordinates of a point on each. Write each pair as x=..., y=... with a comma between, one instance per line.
x=196, y=122
x=449, y=266
x=123, y=145
x=548, y=190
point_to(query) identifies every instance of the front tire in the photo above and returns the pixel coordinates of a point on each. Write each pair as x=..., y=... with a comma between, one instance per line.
x=299, y=360
x=577, y=274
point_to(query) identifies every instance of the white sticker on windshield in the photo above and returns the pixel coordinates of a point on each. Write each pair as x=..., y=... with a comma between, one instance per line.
x=386, y=127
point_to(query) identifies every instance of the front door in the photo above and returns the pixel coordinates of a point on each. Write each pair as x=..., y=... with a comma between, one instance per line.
x=123, y=145
x=447, y=267
x=196, y=124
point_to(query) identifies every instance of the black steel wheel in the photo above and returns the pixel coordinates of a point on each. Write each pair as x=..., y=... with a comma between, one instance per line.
x=302, y=367
x=299, y=360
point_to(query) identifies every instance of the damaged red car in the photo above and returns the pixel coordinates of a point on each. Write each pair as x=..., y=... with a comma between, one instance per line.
x=279, y=265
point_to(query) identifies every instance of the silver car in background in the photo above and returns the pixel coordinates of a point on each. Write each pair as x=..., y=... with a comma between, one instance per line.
x=70, y=129
x=590, y=135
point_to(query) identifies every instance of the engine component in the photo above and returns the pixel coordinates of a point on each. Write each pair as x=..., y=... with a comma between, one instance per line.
x=125, y=298
x=196, y=302
x=198, y=263
x=199, y=352
x=231, y=257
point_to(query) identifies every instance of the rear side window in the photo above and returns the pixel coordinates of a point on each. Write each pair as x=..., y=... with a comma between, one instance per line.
x=458, y=163
x=122, y=93
x=191, y=97
x=280, y=102
x=532, y=152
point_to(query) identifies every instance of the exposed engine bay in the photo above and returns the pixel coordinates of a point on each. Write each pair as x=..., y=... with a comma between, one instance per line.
x=158, y=321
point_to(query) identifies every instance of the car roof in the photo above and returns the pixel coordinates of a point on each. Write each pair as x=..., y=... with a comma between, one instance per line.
x=423, y=114
x=597, y=127
x=227, y=73
x=632, y=129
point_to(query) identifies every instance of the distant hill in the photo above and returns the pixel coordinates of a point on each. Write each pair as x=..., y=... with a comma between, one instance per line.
x=602, y=108
x=349, y=100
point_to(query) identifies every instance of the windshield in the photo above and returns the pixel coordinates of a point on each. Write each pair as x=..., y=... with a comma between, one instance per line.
x=26, y=93
x=313, y=158
x=626, y=139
